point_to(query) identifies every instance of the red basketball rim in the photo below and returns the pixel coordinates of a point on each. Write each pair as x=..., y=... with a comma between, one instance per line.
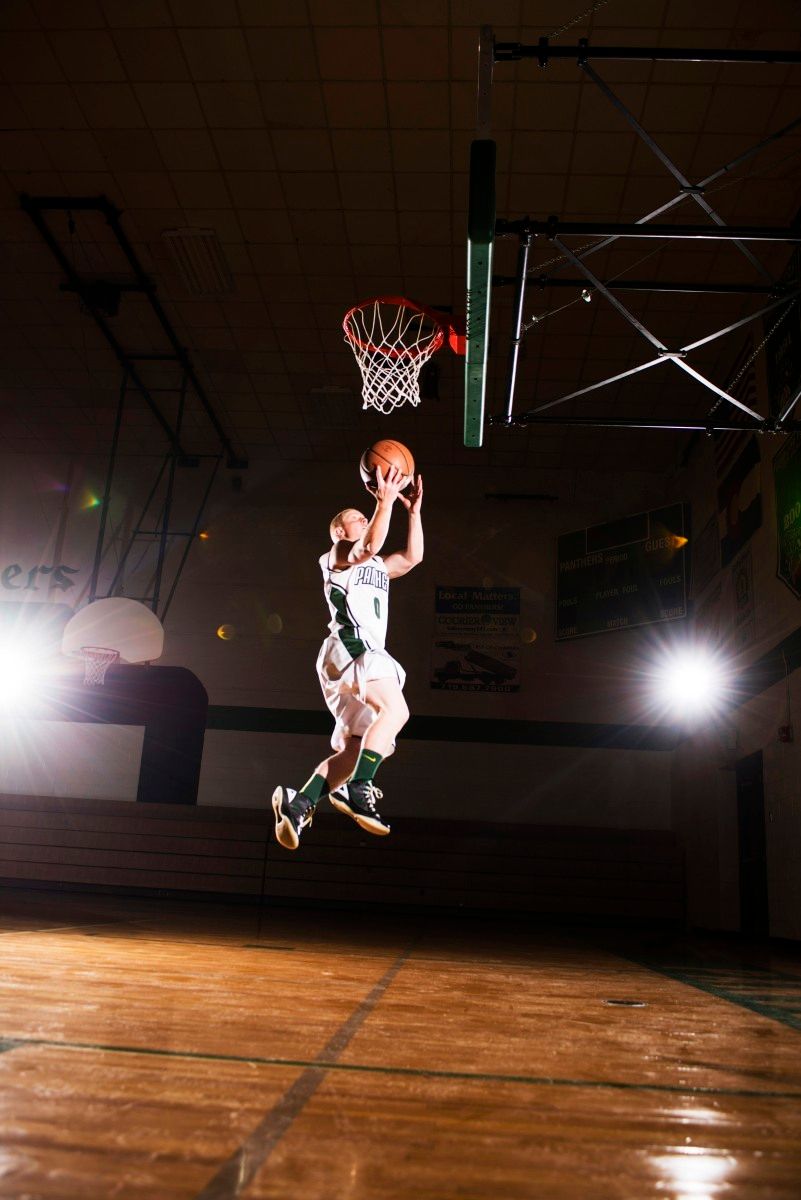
x=434, y=344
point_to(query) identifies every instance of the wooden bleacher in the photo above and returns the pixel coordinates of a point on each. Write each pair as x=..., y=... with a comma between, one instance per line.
x=231, y=852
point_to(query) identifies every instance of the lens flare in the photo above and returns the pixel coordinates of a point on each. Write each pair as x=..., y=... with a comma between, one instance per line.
x=226, y=632
x=691, y=681
x=19, y=671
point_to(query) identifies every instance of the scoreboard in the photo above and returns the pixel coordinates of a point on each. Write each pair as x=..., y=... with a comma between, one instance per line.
x=624, y=573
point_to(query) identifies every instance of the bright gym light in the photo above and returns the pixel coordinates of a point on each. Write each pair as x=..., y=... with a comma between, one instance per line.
x=691, y=681
x=19, y=673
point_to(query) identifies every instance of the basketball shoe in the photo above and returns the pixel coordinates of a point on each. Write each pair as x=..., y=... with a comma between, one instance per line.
x=293, y=813
x=359, y=802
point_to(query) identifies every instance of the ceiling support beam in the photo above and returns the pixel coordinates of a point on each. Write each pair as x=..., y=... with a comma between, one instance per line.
x=642, y=285
x=556, y=231
x=694, y=191
x=678, y=424
x=553, y=228
x=35, y=206
x=543, y=51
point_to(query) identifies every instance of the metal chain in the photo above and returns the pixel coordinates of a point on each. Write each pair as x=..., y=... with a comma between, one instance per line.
x=752, y=356
x=598, y=4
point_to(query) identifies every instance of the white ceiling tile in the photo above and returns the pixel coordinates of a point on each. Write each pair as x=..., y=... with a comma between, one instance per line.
x=504, y=12
x=169, y=105
x=151, y=54
x=355, y=12
x=715, y=14
x=223, y=221
x=349, y=53
x=87, y=56
x=282, y=53
x=407, y=55
x=146, y=189
x=215, y=54
x=200, y=189
x=290, y=104
x=675, y=109
x=328, y=259
x=414, y=12
x=244, y=149
x=306, y=190
x=23, y=150
x=380, y=259
x=231, y=105
x=186, y=149
x=418, y=105
x=302, y=150
x=276, y=13
x=422, y=228
x=128, y=149
x=421, y=149
x=370, y=227
x=356, y=148
x=26, y=57
x=255, y=189
x=109, y=105
x=73, y=150
x=358, y=189
x=540, y=106
x=318, y=228
x=19, y=14
x=45, y=105
x=122, y=14
x=430, y=192
x=265, y=225
x=355, y=105
x=215, y=13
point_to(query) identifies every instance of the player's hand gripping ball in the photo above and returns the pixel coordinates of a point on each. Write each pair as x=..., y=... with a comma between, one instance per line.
x=381, y=456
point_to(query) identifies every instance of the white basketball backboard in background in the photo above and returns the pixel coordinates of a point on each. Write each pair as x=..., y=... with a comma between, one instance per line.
x=116, y=623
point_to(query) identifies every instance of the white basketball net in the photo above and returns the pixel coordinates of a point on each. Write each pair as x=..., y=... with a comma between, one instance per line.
x=97, y=660
x=391, y=339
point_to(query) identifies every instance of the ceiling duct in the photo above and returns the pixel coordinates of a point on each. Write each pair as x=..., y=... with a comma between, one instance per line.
x=199, y=260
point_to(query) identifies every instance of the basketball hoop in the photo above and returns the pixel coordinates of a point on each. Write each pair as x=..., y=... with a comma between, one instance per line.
x=392, y=338
x=97, y=660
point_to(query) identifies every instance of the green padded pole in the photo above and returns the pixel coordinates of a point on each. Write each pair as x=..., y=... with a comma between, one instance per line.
x=480, y=238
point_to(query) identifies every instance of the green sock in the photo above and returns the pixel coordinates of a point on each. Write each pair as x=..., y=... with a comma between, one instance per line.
x=314, y=788
x=367, y=765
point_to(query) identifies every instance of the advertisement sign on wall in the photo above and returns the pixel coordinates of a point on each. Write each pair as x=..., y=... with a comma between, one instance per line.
x=476, y=639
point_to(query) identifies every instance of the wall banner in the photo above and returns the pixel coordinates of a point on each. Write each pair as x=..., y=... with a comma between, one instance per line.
x=787, y=482
x=706, y=556
x=476, y=639
x=740, y=502
x=742, y=578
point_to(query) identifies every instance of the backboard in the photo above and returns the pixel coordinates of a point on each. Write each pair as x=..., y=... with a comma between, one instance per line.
x=119, y=624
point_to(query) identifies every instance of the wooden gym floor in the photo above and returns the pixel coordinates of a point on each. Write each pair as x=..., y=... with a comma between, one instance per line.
x=161, y=1049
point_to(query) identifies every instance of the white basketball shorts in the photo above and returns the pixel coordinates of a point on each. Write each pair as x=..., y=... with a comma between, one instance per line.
x=344, y=680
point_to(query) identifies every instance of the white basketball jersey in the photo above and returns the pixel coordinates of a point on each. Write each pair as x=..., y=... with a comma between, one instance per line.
x=358, y=602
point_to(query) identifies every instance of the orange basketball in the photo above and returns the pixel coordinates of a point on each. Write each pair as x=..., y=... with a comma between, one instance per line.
x=385, y=454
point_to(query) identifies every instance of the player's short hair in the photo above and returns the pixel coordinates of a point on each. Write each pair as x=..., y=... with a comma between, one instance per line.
x=337, y=522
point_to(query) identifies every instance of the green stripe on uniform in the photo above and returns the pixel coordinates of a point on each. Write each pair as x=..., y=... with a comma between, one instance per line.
x=347, y=630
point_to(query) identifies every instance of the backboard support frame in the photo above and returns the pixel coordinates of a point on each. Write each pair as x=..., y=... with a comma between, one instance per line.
x=480, y=241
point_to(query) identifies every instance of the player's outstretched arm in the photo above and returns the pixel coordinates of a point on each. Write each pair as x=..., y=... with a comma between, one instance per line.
x=403, y=560
x=386, y=490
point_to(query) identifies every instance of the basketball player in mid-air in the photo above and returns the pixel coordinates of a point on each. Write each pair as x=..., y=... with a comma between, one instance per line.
x=362, y=683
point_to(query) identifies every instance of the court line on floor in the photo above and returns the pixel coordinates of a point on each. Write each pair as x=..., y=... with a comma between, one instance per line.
x=7, y=1044
x=59, y=928
x=690, y=978
x=233, y=1177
